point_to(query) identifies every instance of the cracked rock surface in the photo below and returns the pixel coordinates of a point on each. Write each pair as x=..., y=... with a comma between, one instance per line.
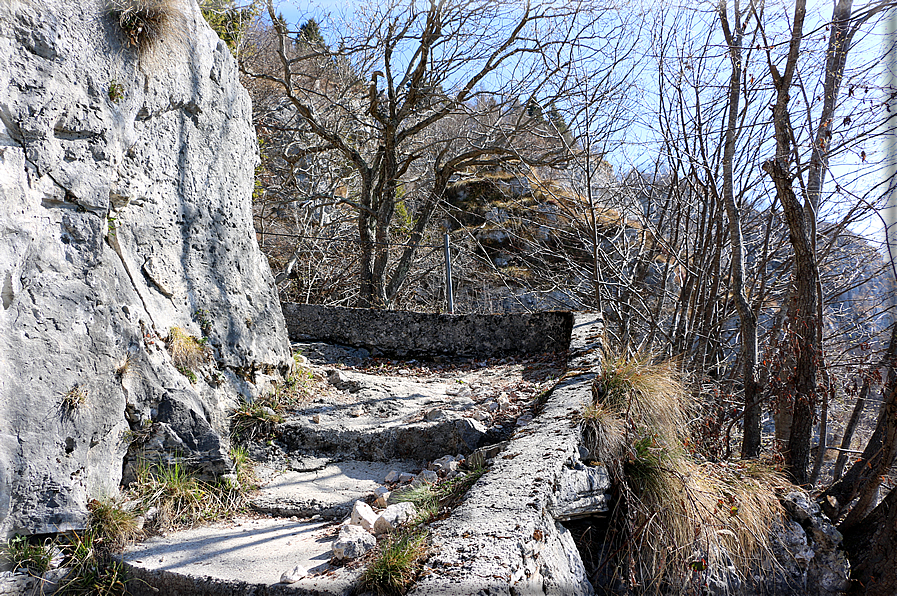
x=120, y=219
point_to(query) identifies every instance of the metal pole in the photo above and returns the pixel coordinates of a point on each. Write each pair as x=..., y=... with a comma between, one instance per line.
x=448, y=274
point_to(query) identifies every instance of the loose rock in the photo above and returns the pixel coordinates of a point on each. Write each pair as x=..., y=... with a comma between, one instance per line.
x=353, y=541
x=394, y=516
x=363, y=515
x=293, y=575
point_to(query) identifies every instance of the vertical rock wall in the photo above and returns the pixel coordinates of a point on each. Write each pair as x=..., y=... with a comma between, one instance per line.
x=125, y=196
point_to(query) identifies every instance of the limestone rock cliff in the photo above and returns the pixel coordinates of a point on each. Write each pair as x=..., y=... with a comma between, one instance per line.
x=126, y=177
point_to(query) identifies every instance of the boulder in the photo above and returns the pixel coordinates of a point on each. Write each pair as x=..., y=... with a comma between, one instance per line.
x=293, y=575
x=126, y=178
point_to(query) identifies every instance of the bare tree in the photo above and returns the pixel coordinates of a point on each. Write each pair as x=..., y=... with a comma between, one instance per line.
x=405, y=69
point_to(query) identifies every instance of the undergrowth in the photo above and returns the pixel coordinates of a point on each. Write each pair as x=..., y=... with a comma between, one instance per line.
x=678, y=519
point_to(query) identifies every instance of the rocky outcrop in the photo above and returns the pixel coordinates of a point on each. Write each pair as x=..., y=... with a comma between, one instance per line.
x=125, y=185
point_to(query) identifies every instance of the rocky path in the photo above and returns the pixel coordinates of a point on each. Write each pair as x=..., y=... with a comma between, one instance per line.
x=368, y=422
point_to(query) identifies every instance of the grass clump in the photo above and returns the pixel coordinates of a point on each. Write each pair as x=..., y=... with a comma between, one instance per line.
x=179, y=498
x=678, y=520
x=143, y=22
x=187, y=352
x=243, y=467
x=425, y=499
x=25, y=554
x=112, y=527
x=396, y=562
x=255, y=420
x=93, y=571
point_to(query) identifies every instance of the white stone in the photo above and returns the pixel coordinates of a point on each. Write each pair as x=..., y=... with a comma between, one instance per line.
x=363, y=515
x=394, y=516
x=352, y=542
x=293, y=575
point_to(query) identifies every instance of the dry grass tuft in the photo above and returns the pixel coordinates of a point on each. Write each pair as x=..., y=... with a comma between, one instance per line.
x=112, y=526
x=187, y=352
x=144, y=22
x=680, y=520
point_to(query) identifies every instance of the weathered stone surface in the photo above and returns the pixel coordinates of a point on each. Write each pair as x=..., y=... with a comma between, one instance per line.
x=352, y=542
x=394, y=516
x=120, y=220
x=581, y=491
x=408, y=333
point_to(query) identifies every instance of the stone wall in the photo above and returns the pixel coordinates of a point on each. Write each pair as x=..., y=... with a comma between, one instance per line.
x=401, y=333
x=125, y=211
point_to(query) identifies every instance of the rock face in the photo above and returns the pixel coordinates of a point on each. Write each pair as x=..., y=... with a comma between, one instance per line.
x=125, y=185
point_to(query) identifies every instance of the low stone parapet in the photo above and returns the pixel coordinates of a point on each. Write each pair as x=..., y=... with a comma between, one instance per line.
x=403, y=333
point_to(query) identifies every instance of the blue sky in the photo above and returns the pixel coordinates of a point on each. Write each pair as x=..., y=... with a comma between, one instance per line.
x=297, y=12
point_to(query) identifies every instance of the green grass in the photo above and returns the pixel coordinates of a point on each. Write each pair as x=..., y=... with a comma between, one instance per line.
x=182, y=501
x=29, y=556
x=424, y=498
x=243, y=468
x=396, y=562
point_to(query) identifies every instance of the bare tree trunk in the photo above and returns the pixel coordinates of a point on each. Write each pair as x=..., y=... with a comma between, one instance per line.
x=750, y=445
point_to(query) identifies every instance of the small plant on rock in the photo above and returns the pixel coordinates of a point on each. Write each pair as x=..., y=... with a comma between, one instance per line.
x=143, y=22
x=116, y=91
x=186, y=351
x=75, y=397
